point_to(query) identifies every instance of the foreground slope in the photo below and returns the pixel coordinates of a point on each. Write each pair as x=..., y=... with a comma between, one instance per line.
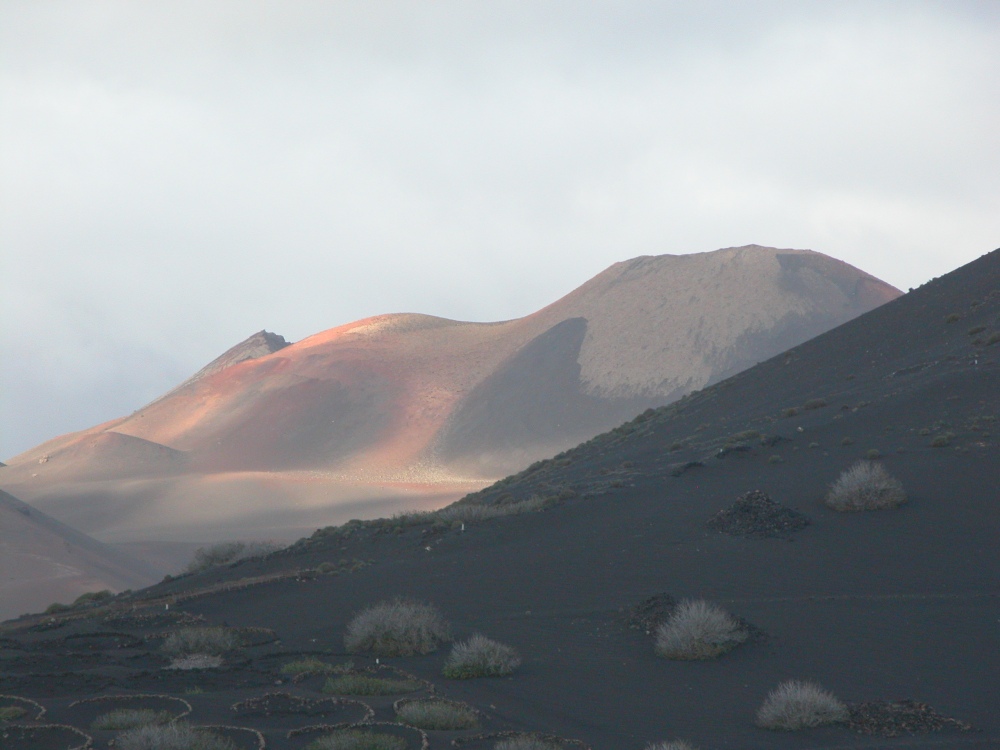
x=876, y=606
x=411, y=411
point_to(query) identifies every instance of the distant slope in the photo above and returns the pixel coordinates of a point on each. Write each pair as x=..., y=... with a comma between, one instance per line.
x=408, y=409
x=43, y=561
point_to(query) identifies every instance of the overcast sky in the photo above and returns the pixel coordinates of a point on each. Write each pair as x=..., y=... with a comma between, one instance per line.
x=177, y=175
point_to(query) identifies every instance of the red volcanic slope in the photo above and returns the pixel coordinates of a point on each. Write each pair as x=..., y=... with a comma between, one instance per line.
x=416, y=399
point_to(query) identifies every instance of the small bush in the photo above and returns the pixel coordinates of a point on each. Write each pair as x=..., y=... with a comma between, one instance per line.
x=171, y=737
x=11, y=713
x=480, y=657
x=92, y=597
x=209, y=641
x=775, y=459
x=356, y=739
x=873, y=454
x=362, y=684
x=436, y=713
x=397, y=628
x=698, y=630
x=942, y=441
x=471, y=512
x=672, y=745
x=814, y=403
x=865, y=486
x=800, y=705
x=130, y=718
x=525, y=742
x=225, y=553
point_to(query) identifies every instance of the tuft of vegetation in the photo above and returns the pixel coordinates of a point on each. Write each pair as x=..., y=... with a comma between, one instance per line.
x=171, y=737
x=399, y=627
x=201, y=641
x=480, y=657
x=942, y=441
x=775, y=459
x=472, y=512
x=698, y=629
x=800, y=705
x=357, y=739
x=363, y=684
x=525, y=742
x=92, y=597
x=311, y=665
x=873, y=454
x=11, y=713
x=436, y=713
x=671, y=745
x=226, y=553
x=815, y=403
x=976, y=329
x=130, y=718
x=865, y=486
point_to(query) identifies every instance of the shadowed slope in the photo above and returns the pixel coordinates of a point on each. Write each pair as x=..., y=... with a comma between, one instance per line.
x=43, y=561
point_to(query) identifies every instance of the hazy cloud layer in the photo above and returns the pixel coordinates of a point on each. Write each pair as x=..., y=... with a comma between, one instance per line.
x=177, y=175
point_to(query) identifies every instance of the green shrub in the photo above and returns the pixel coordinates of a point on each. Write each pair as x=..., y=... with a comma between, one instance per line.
x=942, y=441
x=356, y=739
x=171, y=737
x=814, y=403
x=363, y=684
x=865, y=486
x=480, y=657
x=672, y=745
x=11, y=713
x=436, y=713
x=208, y=641
x=92, y=597
x=800, y=705
x=130, y=718
x=697, y=629
x=472, y=512
x=397, y=628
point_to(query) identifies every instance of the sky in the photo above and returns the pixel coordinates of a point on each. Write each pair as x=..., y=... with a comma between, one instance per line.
x=177, y=175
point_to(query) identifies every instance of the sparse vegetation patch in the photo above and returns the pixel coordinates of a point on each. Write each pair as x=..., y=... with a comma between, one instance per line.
x=671, y=745
x=893, y=718
x=698, y=629
x=171, y=737
x=397, y=628
x=865, y=486
x=201, y=641
x=436, y=713
x=525, y=742
x=365, y=684
x=800, y=705
x=11, y=713
x=357, y=739
x=480, y=657
x=226, y=553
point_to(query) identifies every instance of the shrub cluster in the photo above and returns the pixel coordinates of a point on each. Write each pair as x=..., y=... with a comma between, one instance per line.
x=400, y=627
x=480, y=657
x=525, y=742
x=225, y=553
x=865, y=486
x=363, y=684
x=800, y=705
x=697, y=629
x=130, y=718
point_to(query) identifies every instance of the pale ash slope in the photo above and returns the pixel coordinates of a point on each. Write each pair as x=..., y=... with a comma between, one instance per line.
x=409, y=410
x=43, y=561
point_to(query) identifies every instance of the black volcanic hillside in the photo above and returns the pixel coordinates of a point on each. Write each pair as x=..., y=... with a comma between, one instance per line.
x=894, y=611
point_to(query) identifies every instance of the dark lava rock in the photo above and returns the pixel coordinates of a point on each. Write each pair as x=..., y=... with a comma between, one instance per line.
x=893, y=718
x=650, y=612
x=755, y=514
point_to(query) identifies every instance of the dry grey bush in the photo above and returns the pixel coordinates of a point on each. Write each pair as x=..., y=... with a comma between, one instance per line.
x=171, y=737
x=671, y=745
x=471, y=512
x=800, y=705
x=698, y=630
x=397, y=628
x=207, y=641
x=865, y=486
x=480, y=657
x=225, y=553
